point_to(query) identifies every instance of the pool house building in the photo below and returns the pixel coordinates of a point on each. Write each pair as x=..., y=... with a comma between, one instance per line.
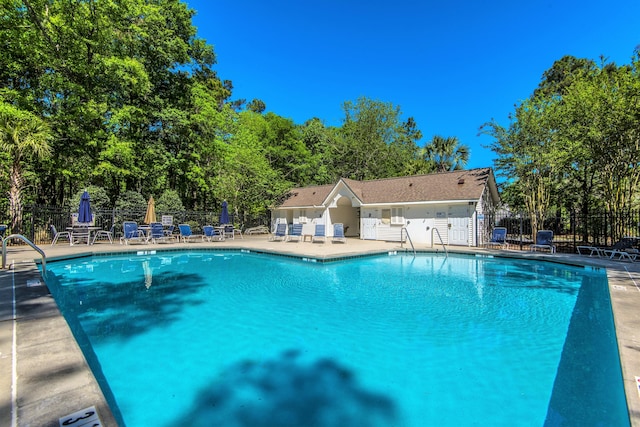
x=453, y=208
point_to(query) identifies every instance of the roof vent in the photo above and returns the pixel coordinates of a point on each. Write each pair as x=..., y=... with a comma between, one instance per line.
x=461, y=181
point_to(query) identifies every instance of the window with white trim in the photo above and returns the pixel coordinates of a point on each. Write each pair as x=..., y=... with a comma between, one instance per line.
x=393, y=216
x=397, y=216
x=302, y=218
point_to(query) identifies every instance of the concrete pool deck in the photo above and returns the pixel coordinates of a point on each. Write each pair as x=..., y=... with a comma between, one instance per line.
x=53, y=378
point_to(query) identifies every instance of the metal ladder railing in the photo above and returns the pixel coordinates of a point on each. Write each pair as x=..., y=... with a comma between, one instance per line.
x=28, y=242
x=408, y=237
x=446, y=253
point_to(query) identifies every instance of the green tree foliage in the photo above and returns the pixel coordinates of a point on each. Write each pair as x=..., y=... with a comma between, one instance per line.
x=131, y=201
x=444, y=154
x=373, y=142
x=169, y=201
x=98, y=197
x=22, y=135
x=575, y=144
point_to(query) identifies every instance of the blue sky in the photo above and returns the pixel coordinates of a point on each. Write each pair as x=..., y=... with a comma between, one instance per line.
x=451, y=65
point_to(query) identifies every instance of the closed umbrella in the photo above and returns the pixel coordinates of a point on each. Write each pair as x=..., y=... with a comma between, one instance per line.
x=84, y=210
x=150, y=216
x=224, y=215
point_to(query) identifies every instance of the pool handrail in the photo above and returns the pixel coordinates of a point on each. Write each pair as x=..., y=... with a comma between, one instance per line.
x=406, y=232
x=28, y=242
x=446, y=253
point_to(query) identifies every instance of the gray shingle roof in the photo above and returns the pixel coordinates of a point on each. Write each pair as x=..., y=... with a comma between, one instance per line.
x=457, y=185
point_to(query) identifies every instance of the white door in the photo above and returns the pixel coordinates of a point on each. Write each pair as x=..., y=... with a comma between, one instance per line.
x=459, y=225
x=369, y=228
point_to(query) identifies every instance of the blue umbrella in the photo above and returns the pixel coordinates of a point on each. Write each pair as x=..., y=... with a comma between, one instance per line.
x=84, y=211
x=224, y=215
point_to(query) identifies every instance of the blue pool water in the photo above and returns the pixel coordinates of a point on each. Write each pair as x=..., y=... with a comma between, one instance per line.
x=242, y=339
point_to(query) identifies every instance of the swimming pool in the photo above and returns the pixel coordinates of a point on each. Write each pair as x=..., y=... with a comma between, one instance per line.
x=244, y=339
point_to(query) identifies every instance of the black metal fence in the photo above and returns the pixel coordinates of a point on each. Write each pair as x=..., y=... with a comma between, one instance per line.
x=571, y=229
x=37, y=220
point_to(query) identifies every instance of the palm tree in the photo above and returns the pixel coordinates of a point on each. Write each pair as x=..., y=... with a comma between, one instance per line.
x=445, y=154
x=21, y=134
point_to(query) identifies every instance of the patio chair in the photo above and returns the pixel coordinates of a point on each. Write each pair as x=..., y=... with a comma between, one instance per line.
x=211, y=234
x=230, y=232
x=338, y=233
x=319, y=233
x=57, y=234
x=131, y=234
x=498, y=238
x=281, y=232
x=3, y=229
x=544, y=240
x=186, y=235
x=157, y=235
x=167, y=223
x=296, y=233
x=107, y=234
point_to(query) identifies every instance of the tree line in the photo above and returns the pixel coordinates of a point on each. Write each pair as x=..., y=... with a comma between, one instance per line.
x=574, y=145
x=124, y=97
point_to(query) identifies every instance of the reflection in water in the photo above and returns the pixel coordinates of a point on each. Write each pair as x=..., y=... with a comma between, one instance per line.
x=288, y=392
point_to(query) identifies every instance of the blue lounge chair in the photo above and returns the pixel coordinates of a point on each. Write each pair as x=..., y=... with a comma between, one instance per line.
x=157, y=234
x=498, y=238
x=131, y=234
x=187, y=236
x=3, y=229
x=319, y=233
x=211, y=234
x=544, y=240
x=296, y=233
x=338, y=233
x=281, y=232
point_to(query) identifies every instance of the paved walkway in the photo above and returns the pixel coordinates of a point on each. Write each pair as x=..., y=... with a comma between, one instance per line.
x=53, y=378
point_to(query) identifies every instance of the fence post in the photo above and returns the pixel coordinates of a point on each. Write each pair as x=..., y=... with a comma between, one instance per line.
x=521, y=225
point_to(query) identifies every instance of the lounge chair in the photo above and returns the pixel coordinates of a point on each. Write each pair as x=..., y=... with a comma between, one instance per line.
x=108, y=234
x=3, y=229
x=296, y=233
x=131, y=234
x=187, y=236
x=544, y=240
x=623, y=249
x=498, y=238
x=623, y=245
x=319, y=233
x=211, y=234
x=157, y=235
x=260, y=229
x=281, y=232
x=338, y=233
x=57, y=234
